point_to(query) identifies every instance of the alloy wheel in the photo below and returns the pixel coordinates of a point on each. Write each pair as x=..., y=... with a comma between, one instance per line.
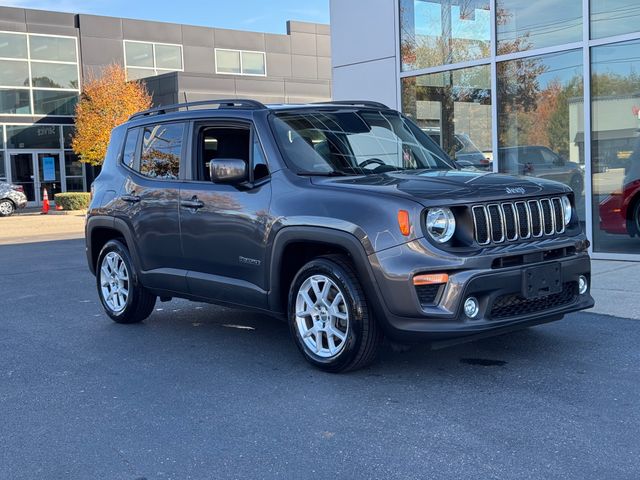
x=322, y=316
x=6, y=208
x=114, y=282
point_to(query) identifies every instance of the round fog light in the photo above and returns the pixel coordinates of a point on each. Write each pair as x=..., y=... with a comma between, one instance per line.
x=582, y=284
x=471, y=307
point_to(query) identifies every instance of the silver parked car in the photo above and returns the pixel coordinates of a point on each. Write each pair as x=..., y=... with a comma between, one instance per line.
x=12, y=197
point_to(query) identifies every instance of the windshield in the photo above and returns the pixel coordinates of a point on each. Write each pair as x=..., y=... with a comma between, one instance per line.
x=354, y=143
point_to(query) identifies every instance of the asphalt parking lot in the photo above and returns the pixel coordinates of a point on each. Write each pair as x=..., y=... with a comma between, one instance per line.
x=201, y=392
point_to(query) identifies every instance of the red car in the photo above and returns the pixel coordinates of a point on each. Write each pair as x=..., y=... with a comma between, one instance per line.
x=620, y=211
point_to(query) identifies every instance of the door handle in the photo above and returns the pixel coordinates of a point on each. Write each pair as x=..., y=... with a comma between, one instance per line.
x=130, y=198
x=193, y=203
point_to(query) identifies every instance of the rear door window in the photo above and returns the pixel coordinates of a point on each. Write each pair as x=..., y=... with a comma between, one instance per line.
x=162, y=151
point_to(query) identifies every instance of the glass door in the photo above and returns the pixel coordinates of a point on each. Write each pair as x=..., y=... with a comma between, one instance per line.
x=22, y=173
x=48, y=165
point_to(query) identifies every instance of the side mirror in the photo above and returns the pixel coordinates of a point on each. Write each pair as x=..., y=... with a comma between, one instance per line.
x=228, y=170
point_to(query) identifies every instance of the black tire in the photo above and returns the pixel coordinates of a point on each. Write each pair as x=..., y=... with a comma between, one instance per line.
x=139, y=301
x=363, y=334
x=634, y=226
x=6, y=208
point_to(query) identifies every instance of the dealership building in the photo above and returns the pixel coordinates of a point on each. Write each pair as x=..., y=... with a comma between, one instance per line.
x=44, y=57
x=542, y=88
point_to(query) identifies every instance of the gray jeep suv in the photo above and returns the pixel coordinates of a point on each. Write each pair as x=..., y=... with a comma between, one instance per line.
x=343, y=218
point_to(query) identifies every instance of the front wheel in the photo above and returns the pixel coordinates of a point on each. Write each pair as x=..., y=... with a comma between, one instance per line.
x=6, y=208
x=122, y=296
x=329, y=316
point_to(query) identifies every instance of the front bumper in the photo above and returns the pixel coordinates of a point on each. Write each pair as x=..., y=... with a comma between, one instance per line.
x=407, y=318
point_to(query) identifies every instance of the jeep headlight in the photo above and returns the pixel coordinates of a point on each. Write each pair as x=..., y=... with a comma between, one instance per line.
x=441, y=224
x=567, y=209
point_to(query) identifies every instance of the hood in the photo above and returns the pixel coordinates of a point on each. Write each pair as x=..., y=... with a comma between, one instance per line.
x=448, y=187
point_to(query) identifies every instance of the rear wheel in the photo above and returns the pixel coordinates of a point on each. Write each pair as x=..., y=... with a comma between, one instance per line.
x=6, y=208
x=122, y=296
x=329, y=316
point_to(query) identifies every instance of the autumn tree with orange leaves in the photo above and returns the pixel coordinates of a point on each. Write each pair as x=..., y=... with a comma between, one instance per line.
x=106, y=101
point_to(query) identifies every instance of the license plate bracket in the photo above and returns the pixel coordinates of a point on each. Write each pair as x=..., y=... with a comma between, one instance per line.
x=542, y=280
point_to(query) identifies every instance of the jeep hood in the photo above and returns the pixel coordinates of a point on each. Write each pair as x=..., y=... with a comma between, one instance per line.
x=447, y=187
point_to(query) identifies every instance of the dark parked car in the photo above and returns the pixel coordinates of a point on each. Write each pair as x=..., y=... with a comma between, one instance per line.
x=12, y=197
x=342, y=218
x=541, y=162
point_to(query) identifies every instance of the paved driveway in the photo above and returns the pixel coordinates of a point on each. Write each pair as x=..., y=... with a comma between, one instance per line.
x=188, y=394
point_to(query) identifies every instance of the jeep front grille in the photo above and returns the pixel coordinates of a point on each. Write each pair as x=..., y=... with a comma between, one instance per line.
x=502, y=222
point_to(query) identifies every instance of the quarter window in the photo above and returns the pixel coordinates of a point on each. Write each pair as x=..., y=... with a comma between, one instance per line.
x=130, y=144
x=162, y=150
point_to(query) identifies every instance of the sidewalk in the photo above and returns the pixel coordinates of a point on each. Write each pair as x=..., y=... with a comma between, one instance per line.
x=616, y=288
x=30, y=227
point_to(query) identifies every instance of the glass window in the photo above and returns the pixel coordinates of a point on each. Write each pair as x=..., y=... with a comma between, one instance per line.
x=138, y=54
x=169, y=57
x=54, y=75
x=72, y=165
x=3, y=168
x=15, y=101
x=56, y=49
x=13, y=45
x=355, y=143
x=526, y=24
x=253, y=63
x=162, y=150
x=68, y=131
x=227, y=61
x=139, y=73
x=36, y=136
x=454, y=109
x=130, y=144
x=14, y=73
x=438, y=32
x=614, y=17
x=47, y=102
x=615, y=147
x=539, y=117
x=75, y=184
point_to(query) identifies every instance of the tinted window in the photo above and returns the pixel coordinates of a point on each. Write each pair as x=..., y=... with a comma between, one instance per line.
x=13, y=45
x=36, y=136
x=54, y=75
x=161, y=151
x=14, y=101
x=227, y=61
x=253, y=63
x=14, y=73
x=130, y=144
x=52, y=48
x=51, y=102
x=138, y=54
x=169, y=57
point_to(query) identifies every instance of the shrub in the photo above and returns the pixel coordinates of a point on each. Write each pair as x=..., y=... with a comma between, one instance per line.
x=73, y=200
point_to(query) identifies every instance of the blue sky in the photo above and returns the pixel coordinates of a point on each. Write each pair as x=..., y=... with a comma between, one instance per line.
x=257, y=15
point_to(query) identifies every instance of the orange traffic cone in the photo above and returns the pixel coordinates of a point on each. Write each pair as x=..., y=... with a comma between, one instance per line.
x=45, y=202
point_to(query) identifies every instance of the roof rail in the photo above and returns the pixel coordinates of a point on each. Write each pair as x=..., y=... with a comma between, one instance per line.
x=224, y=103
x=355, y=103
